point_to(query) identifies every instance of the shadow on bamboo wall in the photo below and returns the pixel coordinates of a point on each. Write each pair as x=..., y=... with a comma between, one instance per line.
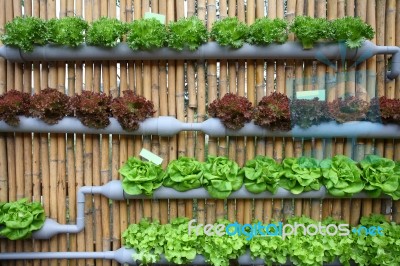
x=51, y=167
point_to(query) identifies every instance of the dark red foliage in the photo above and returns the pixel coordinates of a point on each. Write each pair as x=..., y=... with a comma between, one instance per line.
x=12, y=104
x=273, y=112
x=389, y=110
x=130, y=109
x=306, y=113
x=50, y=105
x=233, y=110
x=349, y=109
x=92, y=109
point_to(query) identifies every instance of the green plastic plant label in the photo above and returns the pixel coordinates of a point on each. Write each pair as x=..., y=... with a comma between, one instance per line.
x=148, y=155
x=159, y=17
x=309, y=95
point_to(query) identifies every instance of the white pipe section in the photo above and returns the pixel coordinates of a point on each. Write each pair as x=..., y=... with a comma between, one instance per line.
x=323, y=51
x=170, y=126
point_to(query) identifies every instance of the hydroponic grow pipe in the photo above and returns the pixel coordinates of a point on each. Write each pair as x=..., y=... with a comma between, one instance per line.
x=290, y=50
x=169, y=126
x=123, y=255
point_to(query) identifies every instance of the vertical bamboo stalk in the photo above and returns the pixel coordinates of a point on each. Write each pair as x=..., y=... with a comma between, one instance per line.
x=163, y=110
x=3, y=143
x=260, y=92
x=201, y=111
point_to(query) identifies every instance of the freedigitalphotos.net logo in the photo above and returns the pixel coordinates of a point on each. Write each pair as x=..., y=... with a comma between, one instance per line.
x=280, y=229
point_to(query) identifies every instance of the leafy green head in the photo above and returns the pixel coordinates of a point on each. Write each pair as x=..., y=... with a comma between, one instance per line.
x=265, y=31
x=352, y=30
x=310, y=30
x=107, y=32
x=69, y=31
x=230, y=32
x=146, y=34
x=187, y=32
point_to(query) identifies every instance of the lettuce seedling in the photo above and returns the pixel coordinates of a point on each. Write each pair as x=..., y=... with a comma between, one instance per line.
x=265, y=31
x=309, y=30
x=24, y=33
x=146, y=34
x=351, y=30
x=68, y=31
x=187, y=32
x=106, y=32
x=229, y=32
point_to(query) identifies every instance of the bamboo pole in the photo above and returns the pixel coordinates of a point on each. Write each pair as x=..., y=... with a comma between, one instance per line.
x=201, y=111
x=3, y=144
x=396, y=204
x=212, y=95
x=163, y=110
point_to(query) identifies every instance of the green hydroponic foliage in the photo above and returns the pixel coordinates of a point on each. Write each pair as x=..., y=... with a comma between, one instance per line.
x=107, y=32
x=25, y=33
x=262, y=174
x=184, y=174
x=301, y=174
x=341, y=176
x=352, y=30
x=222, y=176
x=230, y=32
x=20, y=218
x=187, y=33
x=68, y=31
x=309, y=30
x=146, y=34
x=381, y=175
x=140, y=177
x=265, y=31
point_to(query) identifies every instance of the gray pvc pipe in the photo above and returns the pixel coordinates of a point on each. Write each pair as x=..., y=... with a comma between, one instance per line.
x=211, y=50
x=169, y=126
x=124, y=255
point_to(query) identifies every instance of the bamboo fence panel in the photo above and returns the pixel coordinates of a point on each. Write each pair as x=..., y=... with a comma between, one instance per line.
x=56, y=165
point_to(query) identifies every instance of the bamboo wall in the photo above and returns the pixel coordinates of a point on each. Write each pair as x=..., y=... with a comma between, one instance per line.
x=51, y=167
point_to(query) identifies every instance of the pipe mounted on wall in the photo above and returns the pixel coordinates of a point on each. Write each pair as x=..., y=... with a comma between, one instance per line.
x=211, y=50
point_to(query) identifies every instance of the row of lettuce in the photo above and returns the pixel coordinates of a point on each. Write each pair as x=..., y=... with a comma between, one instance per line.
x=173, y=240
x=145, y=34
x=151, y=239
x=221, y=176
x=274, y=112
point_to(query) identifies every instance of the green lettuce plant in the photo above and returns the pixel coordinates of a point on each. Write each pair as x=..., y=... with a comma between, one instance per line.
x=381, y=175
x=309, y=30
x=24, y=33
x=140, y=177
x=146, y=34
x=187, y=32
x=221, y=176
x=219, y=250
x=180, y=247
x=106, y=32
x=262, y=174
x=341, y=176
x=148, y=240
x=20, y=218
x=184, y=174
x=68, y=31
x=265, y=31
x=229, y=32
x=351, y=30
x=301, y=174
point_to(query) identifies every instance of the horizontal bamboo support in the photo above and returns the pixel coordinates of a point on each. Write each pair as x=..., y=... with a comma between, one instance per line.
x=290, y=50
x=170, y=126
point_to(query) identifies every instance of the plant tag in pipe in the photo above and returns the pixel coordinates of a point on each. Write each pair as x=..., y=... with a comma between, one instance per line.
x=309, y=95
x=148, y=155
